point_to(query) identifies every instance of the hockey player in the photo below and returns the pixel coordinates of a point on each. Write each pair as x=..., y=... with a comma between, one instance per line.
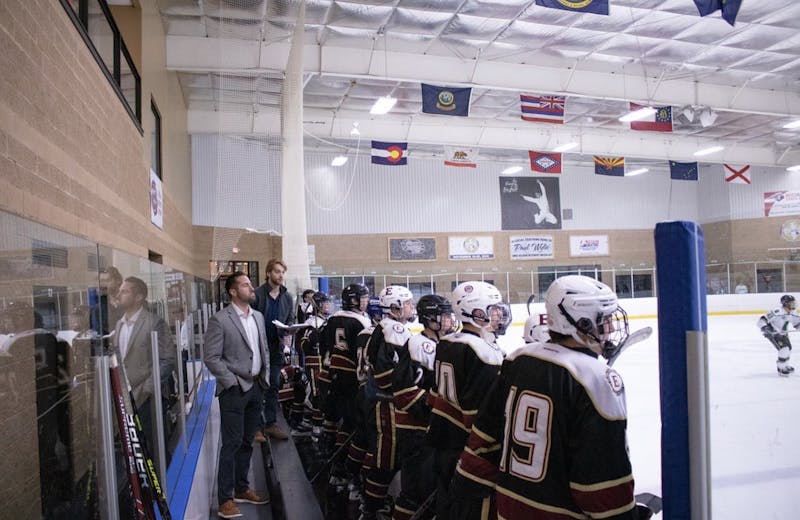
x=386, y=344
x=413, y=379
x=467, y=362
x=774, y=326
x=535, y=332
x=551, y=433
x=309, y=345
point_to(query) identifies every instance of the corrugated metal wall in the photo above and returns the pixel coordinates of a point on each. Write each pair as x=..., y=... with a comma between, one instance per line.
x=236, y=184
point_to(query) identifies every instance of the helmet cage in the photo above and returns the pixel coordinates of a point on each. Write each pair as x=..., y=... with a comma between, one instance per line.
x=351, y=296
x=787, y=300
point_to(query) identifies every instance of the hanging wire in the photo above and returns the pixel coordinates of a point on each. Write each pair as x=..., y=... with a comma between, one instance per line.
x=313, y=198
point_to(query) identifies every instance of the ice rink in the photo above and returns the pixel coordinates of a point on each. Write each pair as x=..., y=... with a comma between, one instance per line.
x=755, y=413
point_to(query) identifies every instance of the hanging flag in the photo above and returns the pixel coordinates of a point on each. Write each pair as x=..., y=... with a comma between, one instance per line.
x=661, y=121
x=683, y=171
x=460, y=157
x=729, y=8
x=445, y=101
x=737, y=174
x=543, y=109
x=580, y=6
x=545, y=162
x=389, y=154
x=614, y=166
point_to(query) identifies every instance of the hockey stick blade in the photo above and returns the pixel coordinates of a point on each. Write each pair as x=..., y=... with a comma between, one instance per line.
x=632, y=339
x=650, y=500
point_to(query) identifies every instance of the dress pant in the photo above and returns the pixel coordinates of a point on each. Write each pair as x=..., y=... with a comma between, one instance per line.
x=240, y=417
x=271, y=394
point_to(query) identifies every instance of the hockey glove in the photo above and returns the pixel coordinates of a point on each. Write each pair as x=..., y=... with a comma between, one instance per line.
x=643, y=512
x=768, y=331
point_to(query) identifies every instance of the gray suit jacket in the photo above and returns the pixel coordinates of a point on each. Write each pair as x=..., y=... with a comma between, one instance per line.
x=227, y=353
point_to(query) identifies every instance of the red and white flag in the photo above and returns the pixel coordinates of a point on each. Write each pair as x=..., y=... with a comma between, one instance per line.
x=737, y=173
x=460, y=157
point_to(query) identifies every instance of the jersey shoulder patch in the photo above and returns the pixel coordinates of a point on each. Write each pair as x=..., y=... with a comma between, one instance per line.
x=395, y=332
x=421, y=348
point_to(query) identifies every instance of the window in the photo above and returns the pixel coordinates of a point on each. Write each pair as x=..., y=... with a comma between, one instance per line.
x=155, y=141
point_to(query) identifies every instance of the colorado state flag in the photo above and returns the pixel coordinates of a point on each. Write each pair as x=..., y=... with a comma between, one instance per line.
x=445, y=101
x=683, y=171
x=389, y=154
x=614, y=166
x=578, y=6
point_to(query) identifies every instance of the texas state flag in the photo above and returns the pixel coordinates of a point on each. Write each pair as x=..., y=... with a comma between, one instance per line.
x=661, y=121
x=389, y=154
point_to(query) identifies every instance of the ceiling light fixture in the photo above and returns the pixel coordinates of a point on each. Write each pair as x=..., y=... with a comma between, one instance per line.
x=707, y=117
x=638, y=171
x=794, y=124
x=355, y=132
x=565, y=147
x=512, y=169
x=383, y=105
x=688, y=113
x=339, y=160
x=795, y=168
x=636, y=115
x=708, y=151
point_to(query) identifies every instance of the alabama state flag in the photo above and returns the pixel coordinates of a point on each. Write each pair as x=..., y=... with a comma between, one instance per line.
x=389, y=154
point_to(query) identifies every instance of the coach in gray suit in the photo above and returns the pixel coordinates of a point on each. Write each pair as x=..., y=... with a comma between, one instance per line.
x=236, y=353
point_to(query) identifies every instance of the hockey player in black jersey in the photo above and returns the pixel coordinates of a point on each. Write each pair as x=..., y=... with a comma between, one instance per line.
x=775, y=325
x=309, y=344
x=386, y=422
x=467, y=363
x=550, y=436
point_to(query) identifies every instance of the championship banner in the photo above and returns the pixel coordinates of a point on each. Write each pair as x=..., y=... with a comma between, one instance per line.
x=779, y=203
x=530, y=248
x=588, y=245
x=471, y=247
x=156, y=201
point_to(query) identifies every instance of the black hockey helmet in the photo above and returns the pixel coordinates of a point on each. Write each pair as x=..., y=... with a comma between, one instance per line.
x=787, y=299
x=431, y=307
x=318, y=299
x=351, y=296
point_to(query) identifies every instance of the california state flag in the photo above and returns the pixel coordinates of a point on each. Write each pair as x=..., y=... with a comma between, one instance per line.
x=460, y=157
x=737, y=173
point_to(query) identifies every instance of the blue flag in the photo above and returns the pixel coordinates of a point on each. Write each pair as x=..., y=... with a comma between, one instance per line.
x=389, y=154
x=614, y=166
x=578, y=6
x=730, y=8
x=445, y=101
x=683, y=171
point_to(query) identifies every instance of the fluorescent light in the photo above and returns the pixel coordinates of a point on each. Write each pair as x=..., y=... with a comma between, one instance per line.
x=339, y=160
x=792, y=125
x=382, y=105
x=512, y=169
x=566, y=146
x=638, y=171
x=795, y=168
x=708, y=151
x=636, y=115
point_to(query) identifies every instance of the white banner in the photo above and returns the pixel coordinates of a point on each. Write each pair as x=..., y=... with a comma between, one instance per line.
x=588, y=245
x=779, y=203
x=470, y=248
x=156, y=201
x=530, y=248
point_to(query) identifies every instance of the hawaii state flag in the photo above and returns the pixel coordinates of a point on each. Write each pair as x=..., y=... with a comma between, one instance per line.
x=545, y=162
x=579, y=6
x=445, y=101
x=683, y=171
x=542, y=109
x=614, y=166
x=737, y=173
x=460, y=157
x=661, y=121
x=389, y=154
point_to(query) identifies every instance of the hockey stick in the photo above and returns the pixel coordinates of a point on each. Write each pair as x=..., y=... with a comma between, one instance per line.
x=157, y=492
x=332, y=458
x=653, y=502
x=632, y=339
x=141, y=507
x=424, y=507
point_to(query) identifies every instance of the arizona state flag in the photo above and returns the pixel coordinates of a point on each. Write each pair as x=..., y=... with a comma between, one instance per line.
x=614, y=166
x=389, y=154
x=445, y=101
x=579, y=6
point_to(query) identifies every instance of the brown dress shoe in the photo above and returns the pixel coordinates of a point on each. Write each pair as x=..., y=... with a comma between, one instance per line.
x=274, y=431
x=259, y=437
x=229, y=510
x=251, y=497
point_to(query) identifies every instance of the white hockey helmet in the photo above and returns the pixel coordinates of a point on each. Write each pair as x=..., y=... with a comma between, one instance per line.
x=535, y=332
x=587, y=310
x=394, y=295
x=481, y=304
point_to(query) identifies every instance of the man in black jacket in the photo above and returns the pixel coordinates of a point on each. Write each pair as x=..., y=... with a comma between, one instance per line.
x=275, y=303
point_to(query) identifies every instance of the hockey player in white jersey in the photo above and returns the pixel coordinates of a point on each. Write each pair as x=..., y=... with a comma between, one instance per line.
x=775, y=326
x=535, y=332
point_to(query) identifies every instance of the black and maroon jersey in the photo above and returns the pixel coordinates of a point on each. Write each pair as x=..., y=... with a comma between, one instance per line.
x=339, y=339
x=551, y=436
x=466, y=365
x=414, y=377
x=308, y=342
x=362, y=364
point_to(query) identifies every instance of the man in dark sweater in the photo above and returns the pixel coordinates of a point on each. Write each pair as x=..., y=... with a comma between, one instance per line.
x=275, y=303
